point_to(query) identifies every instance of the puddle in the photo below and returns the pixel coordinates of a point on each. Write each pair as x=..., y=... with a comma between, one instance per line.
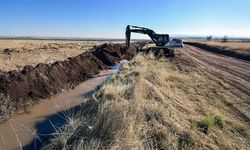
x=29, y=129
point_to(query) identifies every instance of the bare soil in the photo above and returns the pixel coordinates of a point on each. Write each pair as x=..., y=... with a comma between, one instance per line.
x=234, y=72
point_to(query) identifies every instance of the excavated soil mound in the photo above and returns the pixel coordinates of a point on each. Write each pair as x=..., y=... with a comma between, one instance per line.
x=220, y=51
x=19, y=89
x=108, y=54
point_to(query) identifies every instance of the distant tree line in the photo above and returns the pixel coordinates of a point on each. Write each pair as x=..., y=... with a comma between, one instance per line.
x=209, y=38
x=224, y=39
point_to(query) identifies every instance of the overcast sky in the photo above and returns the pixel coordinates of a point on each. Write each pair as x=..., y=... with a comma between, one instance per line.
x=108, y=18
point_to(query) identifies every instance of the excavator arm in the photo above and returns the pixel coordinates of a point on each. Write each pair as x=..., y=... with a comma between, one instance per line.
x=158, y=39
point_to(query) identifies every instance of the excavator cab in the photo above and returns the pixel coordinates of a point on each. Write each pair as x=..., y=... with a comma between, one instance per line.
x=163, y=39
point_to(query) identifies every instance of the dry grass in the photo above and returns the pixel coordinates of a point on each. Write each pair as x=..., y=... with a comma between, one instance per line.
x=240, y=47
x=155, y=105
x=32, y=52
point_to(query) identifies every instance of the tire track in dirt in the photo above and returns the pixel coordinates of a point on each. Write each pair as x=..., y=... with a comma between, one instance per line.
x=232, y=71
x=226, y=65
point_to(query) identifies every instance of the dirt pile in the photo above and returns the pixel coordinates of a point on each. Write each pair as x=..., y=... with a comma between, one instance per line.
x=21, y=89
x=218, y=50
x=108, y=54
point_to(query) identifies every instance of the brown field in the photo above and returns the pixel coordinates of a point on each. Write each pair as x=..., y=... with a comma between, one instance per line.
x=33, y=52
x=240, y=47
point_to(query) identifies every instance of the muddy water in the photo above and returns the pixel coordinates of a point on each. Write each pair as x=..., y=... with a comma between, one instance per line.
x=29, y=130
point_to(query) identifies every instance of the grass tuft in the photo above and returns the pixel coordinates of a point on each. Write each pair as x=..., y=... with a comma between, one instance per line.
x=219, y=121
x=186, y=142
x=209, y=121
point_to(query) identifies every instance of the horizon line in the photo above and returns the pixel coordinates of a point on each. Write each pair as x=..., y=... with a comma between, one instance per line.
x=104, y=38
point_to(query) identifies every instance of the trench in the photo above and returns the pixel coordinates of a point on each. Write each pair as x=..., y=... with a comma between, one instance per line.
x=42, y=85
x=21, y=89
x=31, y=129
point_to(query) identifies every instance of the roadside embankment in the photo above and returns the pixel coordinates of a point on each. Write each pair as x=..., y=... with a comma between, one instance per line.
x=220, y=50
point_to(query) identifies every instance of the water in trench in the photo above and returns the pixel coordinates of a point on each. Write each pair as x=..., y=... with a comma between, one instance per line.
x=29, y=130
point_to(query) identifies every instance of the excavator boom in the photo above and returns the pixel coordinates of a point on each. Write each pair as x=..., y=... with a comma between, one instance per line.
x=158, y=39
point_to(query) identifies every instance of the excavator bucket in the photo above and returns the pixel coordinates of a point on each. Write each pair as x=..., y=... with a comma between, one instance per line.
x=128, y=34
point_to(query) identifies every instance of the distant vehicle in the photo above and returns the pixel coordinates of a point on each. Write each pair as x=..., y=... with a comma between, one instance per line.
x=175, y=43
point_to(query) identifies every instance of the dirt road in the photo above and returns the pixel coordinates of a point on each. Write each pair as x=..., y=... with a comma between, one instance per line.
x=229, y=71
